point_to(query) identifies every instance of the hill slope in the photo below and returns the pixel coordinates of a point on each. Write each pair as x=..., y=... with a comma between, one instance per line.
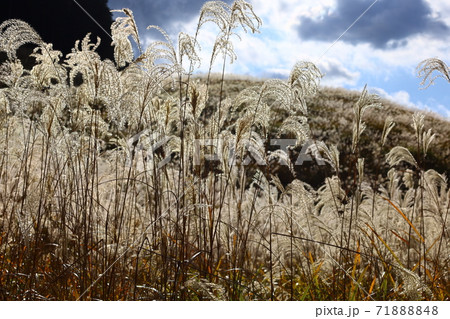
x=330, y=116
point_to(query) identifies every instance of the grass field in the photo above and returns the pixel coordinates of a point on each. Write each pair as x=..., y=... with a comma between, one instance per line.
x=136, y=180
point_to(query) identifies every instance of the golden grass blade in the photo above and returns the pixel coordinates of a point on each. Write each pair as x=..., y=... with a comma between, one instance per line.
x=405, y=218
x=401, y=238
x=386, y=245
x=371, y=287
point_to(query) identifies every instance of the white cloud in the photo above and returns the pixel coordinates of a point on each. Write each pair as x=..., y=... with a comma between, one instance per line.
x=441, y=109
x=336, y=74
x=404, y=98
x=278, y=47
x=441, y=10
x=284, y=14
x=400, y=97
x=279, y=73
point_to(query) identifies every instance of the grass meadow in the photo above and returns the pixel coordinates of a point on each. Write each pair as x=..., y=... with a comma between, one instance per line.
x=137, y=180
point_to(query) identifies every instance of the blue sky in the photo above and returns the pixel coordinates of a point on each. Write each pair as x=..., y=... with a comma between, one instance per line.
x=382, y=49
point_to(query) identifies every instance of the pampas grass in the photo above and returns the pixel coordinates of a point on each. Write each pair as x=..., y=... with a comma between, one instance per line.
x=143, y=182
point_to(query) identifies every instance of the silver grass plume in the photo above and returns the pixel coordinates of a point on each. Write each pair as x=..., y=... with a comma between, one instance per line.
x=198, y=97
x=424, y=138
x=254, y=145
x=83, y=58
x=161, y=56
x=14, y=33
x=260, y=102
x=418, y=124
x=228, y=18
x=189, y=47
x=242, y=14
x=13, y=75
x=278, y=94
x=388, y=126
x=256, y=111
x=393, y=192
x=426, y=69
x=216, y=123
x=413, y=286
x=304, y=81
x=278, y=184
x=331, y=155
x=48, y=66
x=283, y=159
x=303, y=195
x=297, y=125
x=435, y=180
x=436, y=195
x=206, y=289
x=400, y=154
x=101, y=85
x=364, y=102
x=408, y=178
x=165, y=115
x=331, y=196
x=360, y=167
x=427, y=139
x=216, y=12
x=121, y=30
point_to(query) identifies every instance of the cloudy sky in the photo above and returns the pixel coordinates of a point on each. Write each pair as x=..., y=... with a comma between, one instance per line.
x=382, y=48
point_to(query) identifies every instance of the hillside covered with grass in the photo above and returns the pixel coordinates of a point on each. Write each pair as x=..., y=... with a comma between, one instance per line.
x=330, y=119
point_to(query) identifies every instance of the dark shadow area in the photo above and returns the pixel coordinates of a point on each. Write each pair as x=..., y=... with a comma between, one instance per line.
x=62, y=22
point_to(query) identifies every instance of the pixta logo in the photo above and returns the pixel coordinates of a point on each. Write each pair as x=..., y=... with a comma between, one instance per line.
x=211, y=150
